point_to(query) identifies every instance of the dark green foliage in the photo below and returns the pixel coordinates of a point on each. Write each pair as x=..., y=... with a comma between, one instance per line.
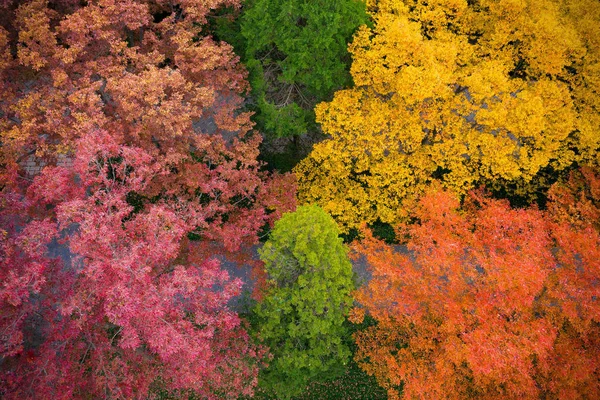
x=159, y=391
x=136, y=201
x=302, y=316
x=296, y=52
x=383, y=231
x=524, y=193
x=285, y=119
x=223, y=25
x=351, y=236
x=282, y=161
x=284, y=154
x=353, y=383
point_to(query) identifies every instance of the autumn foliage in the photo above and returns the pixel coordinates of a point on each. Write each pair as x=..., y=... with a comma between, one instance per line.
x=489, y=302
x=129, y=167
x=576, y=200
x=467, y=92
x=132, y=118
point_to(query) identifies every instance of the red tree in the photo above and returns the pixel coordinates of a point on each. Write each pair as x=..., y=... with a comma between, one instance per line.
x=131, y=116
x=490, y=302
x=577, y=199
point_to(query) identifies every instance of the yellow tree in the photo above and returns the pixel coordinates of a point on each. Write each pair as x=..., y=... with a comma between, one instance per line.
x=467, y=92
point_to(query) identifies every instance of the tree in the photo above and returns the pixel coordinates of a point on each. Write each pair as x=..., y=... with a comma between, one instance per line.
x=491, y=302
x=576, y=200
x=296, y=51
x=467, y=92
x=131, y=117
x=301, y=315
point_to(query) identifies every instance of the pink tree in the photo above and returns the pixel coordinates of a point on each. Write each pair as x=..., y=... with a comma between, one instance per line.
x=145, y=110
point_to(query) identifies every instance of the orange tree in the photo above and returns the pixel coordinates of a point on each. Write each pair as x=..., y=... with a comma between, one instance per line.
x=491, y=302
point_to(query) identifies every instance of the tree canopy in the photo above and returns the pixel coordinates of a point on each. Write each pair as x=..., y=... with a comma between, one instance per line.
x=485, y=303
x=297, y=56
x=121, y=135
x=463, y=132
x=301, y=315
x=470, y=93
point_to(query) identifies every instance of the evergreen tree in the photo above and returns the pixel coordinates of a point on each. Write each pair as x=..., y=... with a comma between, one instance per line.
x=296, y=53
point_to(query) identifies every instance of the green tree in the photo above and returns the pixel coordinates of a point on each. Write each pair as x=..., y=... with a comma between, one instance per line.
x=304, y=308
x=296, y=52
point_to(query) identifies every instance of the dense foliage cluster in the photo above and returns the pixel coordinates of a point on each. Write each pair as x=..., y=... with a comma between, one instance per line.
x=296, y=52
x=490, y=302
x=303, y=310
x=131, y=191
x=485, y=92
x=131, y=118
